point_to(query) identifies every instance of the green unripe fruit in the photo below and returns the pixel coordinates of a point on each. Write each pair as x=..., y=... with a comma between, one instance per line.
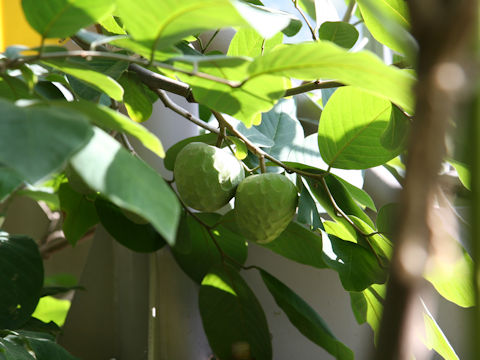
x=264, y=206
x=206, y=176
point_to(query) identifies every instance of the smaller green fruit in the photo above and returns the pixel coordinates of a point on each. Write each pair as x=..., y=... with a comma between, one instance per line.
x=206, y=176
x=264, y=206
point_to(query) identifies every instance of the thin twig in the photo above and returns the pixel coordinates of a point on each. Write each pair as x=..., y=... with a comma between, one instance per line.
x=352, y=6
x=88, y=54
x=127, y=144
x=210, y=41
x=56, y=241
x=300, y=11
x=263, y=168
x=182, y=112
x=314, y=85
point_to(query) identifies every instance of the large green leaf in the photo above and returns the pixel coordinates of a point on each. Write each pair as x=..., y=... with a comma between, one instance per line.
x=27, y=345
x=367, y=305
x=87, y=75
x=232, y=317
x=13, y=88
x=128, y=182
x=80, y=214
x=389, y=23
x=435, y=338
x=341, y=33
x=62, y=18
x=304, y=318
x=350, y=130
x=133, y=235
x=282, y=126
x=21, y=279
x=324, y=60
x=37, y=141
x=166, y=22
x=138, y=99
x=107, y=118
x=9, y=181
x=299, y=244
x=247, y=42
x=245, y=103
x=357, y=267
x=200, y=254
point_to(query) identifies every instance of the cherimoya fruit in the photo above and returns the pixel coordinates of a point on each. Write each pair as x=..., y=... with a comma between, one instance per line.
x=206, y=176
x=264, y=206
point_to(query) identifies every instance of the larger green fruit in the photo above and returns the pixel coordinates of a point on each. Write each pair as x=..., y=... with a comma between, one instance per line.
x=206, y=176
x=264, y=206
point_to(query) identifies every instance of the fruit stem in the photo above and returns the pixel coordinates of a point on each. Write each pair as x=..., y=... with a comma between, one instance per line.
x=263, y=168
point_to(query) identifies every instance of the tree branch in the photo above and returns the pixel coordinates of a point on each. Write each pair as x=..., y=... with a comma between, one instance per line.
x=442, y=54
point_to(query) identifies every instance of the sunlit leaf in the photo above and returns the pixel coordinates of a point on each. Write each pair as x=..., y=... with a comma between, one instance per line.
x=341, y=33
x=52, y=309
x=137, y=97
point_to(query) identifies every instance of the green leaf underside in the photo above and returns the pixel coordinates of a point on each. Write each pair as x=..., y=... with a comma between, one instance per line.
x=102, y=163
x=62, y=18
x=21, y=279
x=12, y=88
x=232, y=316
x=197, y=253
x=307, y=61
x=137, y=97
x=307, y=209
x=9, y=181
x=109, y=119
x=49, y=138
x=304, y=318
x=340, y=33
x=96, y=79
x=350, y=130
x=80, y=214
x=137, y=237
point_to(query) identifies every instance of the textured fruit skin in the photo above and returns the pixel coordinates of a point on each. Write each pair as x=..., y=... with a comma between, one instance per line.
x=264, y=206
x=206, y=176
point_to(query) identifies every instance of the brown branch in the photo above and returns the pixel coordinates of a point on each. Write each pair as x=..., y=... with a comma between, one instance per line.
x=56, y=242
x=442, y=53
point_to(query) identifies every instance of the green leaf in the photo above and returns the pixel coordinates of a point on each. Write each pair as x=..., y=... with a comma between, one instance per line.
x=201, y=254
x=340, y=33
x=12, y=88
x=350, y=129
x=42, y=346
x=359, y=195
x=299, y=244
x=435, y=338
x=137, y=97
x=107, y=118
x=62, y=18
x=21, y=279
x=342, y=198
x=367, y=306
x=232, y=317
x=304, y=318
x=52, y=309
x=172, y=152
x=387, y=219
x=357, y=267
x=451, y=274
x=102, y=163
x=80, y=214
x=463, y=171
x=380, y=243
x=389, y=22
x=87, y=75
x=135, y=236
x=48, y=138
x=396, y=133
x=247, y=42
x=307, y=61
x=282, y=126
x=9, y=181
x=241, y=150
x=307, y=209
x=245, y=103
x=151, y=22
